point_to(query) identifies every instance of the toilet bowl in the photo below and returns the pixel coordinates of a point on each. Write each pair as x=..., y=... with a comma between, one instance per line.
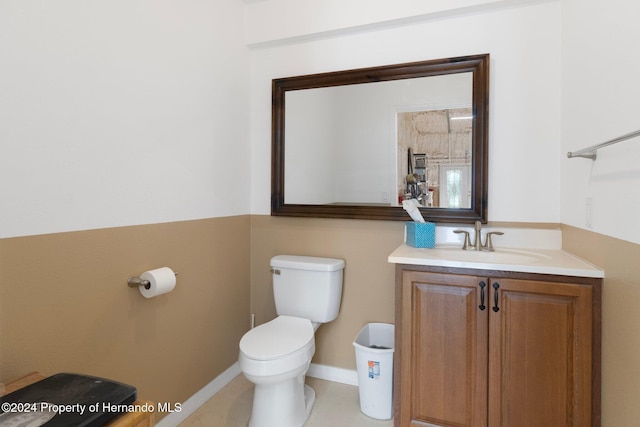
x=275, y=357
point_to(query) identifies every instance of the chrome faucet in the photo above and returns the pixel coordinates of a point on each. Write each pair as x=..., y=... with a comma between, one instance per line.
x=467, y=243
x=477, y=239
x=488, y=244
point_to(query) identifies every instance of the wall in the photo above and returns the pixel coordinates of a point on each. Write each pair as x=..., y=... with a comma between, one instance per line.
x=124, y=129
x=119, y=113
x=600, y=102
x=524, y=120
x=270, y=21
x=66, y=307
x=620, y=338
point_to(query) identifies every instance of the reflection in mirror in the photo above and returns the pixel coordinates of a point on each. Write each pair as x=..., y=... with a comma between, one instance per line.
x=434, y=157
x=353, y=144
x=344, y=142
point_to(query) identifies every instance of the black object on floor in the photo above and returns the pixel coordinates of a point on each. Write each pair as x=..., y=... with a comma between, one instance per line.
x=66, y=400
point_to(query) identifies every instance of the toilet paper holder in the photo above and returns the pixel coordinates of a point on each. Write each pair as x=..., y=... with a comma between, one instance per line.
x=135, y=282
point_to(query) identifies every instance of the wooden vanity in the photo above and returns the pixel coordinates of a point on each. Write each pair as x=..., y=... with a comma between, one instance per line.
x=477, y=346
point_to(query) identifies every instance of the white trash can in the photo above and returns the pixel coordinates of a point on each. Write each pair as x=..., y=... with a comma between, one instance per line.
x=374, y=363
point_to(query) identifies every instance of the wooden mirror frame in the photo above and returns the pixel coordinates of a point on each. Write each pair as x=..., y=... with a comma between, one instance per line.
x=478, y=65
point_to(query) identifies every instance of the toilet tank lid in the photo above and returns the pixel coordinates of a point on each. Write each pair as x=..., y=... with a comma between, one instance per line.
x=298, y=262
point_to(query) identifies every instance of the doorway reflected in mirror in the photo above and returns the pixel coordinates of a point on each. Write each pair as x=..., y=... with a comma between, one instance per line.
x=434, y=156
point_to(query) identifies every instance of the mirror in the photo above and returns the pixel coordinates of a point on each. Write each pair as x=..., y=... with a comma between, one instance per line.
x=353, y=144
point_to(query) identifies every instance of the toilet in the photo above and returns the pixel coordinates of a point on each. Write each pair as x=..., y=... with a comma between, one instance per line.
x=276, y=355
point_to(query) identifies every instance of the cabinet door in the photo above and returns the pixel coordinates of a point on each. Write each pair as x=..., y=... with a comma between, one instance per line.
x=539, y=354
x=443, y=366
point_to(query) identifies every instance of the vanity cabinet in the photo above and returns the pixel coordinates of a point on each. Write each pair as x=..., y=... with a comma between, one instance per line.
x=483, y=348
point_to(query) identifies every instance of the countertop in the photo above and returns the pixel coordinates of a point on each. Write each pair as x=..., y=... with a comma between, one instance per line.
x=542, y=261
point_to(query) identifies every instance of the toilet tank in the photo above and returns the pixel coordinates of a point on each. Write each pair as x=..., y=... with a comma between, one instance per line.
x=307, y=287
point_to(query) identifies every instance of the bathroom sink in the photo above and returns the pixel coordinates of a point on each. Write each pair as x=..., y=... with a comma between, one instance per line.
x=499, y=256
x=526, y=260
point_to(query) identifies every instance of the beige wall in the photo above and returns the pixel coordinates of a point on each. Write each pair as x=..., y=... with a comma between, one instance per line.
x=369, y=279
x=65, y=305
x=620, y=324
x=368, y=292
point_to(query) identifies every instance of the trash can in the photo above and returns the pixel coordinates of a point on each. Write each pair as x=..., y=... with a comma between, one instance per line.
x=374, y=363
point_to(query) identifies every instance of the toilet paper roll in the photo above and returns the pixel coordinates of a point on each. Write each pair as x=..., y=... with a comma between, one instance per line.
x=161, y=281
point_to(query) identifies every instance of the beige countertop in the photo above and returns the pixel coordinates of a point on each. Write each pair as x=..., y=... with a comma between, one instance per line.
x=542, y=261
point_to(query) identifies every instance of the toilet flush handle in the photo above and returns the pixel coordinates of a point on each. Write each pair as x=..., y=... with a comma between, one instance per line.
x=275, y=271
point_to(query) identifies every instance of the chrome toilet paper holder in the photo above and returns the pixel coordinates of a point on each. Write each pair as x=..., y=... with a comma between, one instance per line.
x=135, y=282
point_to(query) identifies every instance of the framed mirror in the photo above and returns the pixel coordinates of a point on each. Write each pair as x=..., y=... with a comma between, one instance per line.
x=354, y=144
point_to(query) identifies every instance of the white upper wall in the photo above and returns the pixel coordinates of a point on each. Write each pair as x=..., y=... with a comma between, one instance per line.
x=523, y=39
x=117, y=113
x=275, y=21
x=601, y=101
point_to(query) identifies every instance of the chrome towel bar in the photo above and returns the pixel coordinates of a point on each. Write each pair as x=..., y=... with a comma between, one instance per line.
x=591, y=152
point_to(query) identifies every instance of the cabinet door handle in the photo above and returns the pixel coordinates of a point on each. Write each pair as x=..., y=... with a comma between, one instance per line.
x=482, y=286
x=496, y=286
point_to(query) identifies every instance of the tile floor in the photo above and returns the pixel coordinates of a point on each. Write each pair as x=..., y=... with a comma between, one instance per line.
x=336, y=405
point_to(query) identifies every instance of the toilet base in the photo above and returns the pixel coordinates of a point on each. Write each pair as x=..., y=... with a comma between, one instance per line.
x=283, y=404
x=309, y=400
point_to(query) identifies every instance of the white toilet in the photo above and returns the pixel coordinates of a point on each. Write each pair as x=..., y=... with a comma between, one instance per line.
x=275, y=356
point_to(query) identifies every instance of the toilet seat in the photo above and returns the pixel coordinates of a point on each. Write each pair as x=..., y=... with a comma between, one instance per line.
x=277, y=338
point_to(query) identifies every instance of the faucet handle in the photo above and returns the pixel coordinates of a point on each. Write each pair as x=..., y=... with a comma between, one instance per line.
x=467, y=241
x=488, y=244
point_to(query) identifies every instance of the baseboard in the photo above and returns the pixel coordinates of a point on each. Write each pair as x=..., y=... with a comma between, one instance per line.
x=200, y=397
x=321, y=372
x=331, y=373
